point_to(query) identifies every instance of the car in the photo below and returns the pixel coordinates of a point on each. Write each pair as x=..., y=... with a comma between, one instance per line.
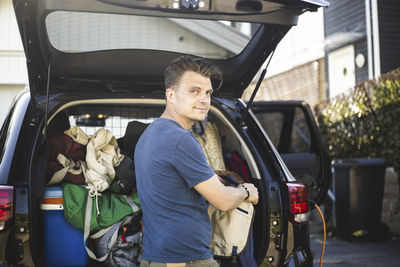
x=101, y=62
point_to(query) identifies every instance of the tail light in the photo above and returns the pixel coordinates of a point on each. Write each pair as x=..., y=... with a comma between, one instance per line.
x=6, y=205
x=298, y=197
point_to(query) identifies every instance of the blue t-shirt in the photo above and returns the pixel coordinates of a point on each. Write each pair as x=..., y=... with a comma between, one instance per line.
x=169, y=162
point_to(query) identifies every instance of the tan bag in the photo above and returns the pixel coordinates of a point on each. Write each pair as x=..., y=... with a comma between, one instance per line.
x=211, y=144
x=231, y=229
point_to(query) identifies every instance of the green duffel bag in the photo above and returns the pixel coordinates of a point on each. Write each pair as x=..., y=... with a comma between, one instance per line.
x=112, y=207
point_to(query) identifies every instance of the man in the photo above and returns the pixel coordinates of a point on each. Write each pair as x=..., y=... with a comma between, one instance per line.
x=173, y=177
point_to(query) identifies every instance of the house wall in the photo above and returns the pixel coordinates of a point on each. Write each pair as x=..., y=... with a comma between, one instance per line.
x=302, y=44
x=347, y=17
x=301, y=83
x=389, y=32
x=361, y=47
x=12, y=57
x=13, y=73
x=297, y=69
x=8, y=93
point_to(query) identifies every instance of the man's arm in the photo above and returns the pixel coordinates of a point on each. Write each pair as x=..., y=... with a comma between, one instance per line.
x=224, y=197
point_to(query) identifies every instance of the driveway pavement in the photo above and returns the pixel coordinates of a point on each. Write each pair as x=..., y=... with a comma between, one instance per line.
x=342, y=253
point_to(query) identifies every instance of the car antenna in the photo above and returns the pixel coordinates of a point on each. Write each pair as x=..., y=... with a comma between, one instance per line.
x=253, y=95
x=47, y=95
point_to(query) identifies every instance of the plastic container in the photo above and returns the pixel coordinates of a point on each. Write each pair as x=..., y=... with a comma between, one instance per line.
x=63, y=243
x=358, y=187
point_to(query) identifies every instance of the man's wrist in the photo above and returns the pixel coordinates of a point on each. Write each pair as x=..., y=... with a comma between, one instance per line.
x=247, y=191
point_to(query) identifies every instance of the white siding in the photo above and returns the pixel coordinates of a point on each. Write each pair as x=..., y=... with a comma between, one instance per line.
x=12, y=58
x=10, y=39
x=7, y=94
x=13, y=68
x=13, y=73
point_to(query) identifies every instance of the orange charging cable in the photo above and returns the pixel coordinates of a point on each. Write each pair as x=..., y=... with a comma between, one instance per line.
x=323, y=243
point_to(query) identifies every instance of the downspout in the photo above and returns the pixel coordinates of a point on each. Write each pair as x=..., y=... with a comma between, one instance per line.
x=369, y=39
x=375, y=35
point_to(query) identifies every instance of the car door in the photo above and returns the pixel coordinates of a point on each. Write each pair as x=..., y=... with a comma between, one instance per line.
x=292, y=129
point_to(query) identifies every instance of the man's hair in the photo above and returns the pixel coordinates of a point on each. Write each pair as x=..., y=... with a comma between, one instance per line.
x=179, y=66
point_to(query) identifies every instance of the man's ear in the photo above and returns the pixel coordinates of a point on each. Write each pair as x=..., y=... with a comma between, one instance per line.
x=169, y=93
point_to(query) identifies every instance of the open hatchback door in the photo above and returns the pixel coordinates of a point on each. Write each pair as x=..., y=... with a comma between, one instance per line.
x=107, y=43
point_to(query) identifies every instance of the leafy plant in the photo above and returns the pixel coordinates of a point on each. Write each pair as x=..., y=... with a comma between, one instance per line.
x=387, y=114
x=364, y=123
x=348, y=125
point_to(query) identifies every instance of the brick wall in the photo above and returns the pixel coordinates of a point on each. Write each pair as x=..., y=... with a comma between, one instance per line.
x=305, y=82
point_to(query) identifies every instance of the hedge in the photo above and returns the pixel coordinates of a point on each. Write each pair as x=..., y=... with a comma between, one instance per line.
x=365, y=122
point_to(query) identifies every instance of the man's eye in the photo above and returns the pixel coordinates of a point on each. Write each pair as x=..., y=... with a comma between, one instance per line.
x=194, y=91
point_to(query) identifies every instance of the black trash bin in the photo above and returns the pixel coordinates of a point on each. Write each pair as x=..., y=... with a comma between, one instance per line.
x=358, y=187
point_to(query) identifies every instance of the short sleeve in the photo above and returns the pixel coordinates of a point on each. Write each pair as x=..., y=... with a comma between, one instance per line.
x=191, y=162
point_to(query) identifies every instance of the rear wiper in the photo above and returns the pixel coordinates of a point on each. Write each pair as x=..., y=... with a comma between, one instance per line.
x=253, y=95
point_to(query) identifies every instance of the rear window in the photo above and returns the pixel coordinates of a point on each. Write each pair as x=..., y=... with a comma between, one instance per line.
x=91, y=118
x=75, y=32
x=272, y=122
x=288, y=130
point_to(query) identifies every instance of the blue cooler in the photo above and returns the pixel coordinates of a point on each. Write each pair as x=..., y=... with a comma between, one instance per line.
x=63, y=243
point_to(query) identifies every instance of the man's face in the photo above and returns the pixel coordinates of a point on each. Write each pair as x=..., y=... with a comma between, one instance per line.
x=191, y=97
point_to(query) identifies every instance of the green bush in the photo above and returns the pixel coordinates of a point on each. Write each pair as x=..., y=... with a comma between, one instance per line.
x=387, y=116
x=348, y=125
x=364, y=123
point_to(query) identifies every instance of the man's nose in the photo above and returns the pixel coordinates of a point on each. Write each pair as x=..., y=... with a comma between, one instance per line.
x=204, y=97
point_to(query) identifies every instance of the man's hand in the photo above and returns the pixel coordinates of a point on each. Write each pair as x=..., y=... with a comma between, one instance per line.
x=225, y=197
x=253, y=193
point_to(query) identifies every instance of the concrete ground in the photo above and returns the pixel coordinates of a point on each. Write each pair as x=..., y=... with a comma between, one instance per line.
x=363, y=253
x=370, y=254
